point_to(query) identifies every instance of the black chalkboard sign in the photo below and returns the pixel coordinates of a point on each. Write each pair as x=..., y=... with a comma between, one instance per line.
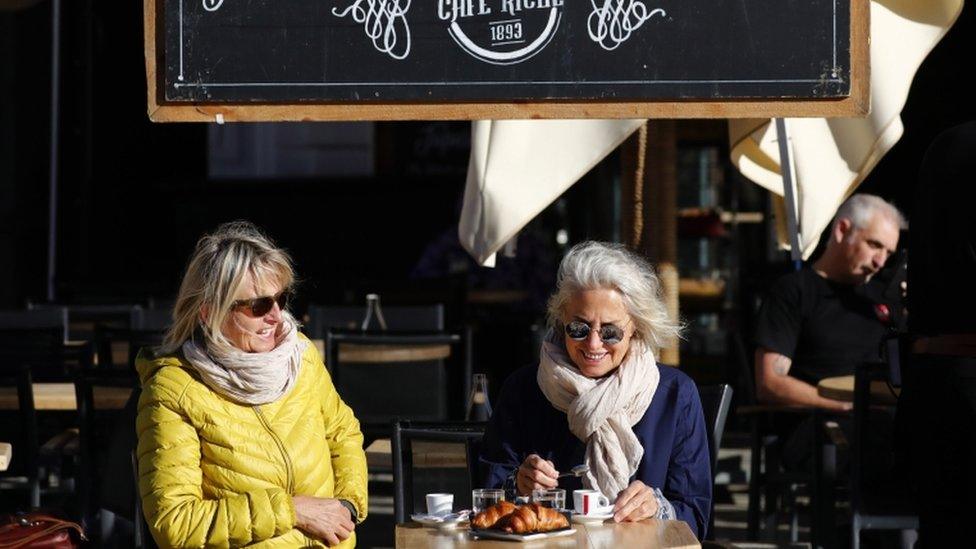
x=433, y=51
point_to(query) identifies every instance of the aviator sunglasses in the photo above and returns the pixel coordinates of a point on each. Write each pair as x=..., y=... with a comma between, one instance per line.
x=609, y=333
x=260, y=306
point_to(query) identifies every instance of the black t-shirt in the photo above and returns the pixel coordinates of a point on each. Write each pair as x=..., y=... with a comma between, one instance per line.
x=825, y=328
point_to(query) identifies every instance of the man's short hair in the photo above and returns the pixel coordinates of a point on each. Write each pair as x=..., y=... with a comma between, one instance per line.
x=862, y=207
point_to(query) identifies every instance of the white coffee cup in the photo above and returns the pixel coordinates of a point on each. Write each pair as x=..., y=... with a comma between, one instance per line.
x=440, y=504
x=591, y=502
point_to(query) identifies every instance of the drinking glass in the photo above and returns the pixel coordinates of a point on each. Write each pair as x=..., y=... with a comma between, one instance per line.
x=483, y=498
x=550, y=497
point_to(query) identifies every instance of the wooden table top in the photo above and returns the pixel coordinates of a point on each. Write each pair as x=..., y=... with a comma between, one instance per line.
x=646, y=534
x=842, y=388
x=350, y=352
x=61, y=396
x=425, y=454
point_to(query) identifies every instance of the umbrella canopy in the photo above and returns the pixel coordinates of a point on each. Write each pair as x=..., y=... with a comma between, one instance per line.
x=518, y=167
x=832, y=156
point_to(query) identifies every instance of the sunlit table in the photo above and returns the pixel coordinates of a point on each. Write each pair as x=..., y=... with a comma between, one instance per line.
x=61, y=396
x=351, y=352
x=647, y=534
x=842, y=388
x=6, y=452
x=425, y=454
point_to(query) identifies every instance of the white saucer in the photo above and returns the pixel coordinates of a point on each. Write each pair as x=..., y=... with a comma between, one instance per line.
x=442, y=522
x=594, y=518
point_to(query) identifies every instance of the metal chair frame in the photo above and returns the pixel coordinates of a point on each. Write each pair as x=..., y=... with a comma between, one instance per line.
x=405, y=432
x=716, y=401
x=336, y=337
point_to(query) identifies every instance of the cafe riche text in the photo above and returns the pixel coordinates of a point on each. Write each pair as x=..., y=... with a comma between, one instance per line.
x=500, y=32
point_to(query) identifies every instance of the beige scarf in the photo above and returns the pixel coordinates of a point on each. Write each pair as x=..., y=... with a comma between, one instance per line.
x=250, y=378
x=602, y=412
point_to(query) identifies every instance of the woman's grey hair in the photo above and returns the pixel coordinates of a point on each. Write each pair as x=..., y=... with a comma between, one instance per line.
x=601, y=265
x=220, y=265
x=862, y=207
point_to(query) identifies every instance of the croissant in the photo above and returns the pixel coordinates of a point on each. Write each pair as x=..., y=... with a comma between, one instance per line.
x=533, y=518
x=490, y=516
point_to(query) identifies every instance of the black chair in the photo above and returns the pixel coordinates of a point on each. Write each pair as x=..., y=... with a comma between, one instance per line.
x=156, y=320
x=19, y=340
x=82, y=318
x=106, y=440
x=107, y=339
x=768, y=481
x=54, y=318
x=414, y=388
x=143, y=538
x=44, y=355
x=50, y=358
x=25, y=463
x=322, y=318
x=406, y=433
x=715, y=400
x=872, y=511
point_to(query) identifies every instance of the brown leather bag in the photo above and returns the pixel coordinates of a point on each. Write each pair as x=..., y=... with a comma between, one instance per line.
x=39, y=530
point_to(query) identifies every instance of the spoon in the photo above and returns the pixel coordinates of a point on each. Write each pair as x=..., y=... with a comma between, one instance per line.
x=576, y=471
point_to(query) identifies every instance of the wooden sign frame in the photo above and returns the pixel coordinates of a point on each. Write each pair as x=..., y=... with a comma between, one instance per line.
x=857, y=104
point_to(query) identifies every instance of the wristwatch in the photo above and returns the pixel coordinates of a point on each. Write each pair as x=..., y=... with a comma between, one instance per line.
x=352, y=508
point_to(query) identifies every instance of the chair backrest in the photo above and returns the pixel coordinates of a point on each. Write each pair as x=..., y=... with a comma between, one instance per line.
x=715, y=400
x=111, y=344
x=143, y=538
x=466, y=435
x=22, y=339
x=106, y=437
x=26, y=319
x=896, y=352
x=157, y=320
x=26, y=446
x=321, y=318
x=417, y=384
x=44, y=351
x=83, y=318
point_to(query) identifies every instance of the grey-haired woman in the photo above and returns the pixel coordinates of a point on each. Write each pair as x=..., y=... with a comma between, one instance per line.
x=599, y=397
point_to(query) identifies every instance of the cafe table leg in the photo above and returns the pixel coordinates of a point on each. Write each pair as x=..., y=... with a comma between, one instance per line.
x=823, y=531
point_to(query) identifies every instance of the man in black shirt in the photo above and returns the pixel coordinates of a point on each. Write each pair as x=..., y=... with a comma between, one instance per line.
x=818, y=322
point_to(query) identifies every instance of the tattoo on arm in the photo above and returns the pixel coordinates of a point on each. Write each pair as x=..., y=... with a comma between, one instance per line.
x=781, y=365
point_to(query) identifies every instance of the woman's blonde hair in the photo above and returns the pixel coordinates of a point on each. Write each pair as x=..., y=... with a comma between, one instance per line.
x=601, y=265
x=218, y=268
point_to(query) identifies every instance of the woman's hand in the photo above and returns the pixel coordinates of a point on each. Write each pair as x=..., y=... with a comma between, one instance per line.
x=535, y=473
x=323, y=518
x=636, y=502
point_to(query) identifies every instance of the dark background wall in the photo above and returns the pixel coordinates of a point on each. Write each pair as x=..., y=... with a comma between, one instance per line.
x=135, y=195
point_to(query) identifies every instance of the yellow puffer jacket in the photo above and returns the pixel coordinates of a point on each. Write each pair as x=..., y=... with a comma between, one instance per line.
x=213, y=473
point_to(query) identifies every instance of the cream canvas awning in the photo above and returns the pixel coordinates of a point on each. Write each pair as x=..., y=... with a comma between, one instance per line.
x=517, y=168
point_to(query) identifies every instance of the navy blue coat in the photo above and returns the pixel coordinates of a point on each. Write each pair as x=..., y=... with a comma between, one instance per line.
x=672, y=432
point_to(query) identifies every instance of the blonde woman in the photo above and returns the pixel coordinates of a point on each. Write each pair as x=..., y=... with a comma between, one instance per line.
x=243, y=440
x=598, y=397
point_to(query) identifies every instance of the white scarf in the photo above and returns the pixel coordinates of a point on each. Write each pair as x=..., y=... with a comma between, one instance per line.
x=602, y=412
x=250, y=378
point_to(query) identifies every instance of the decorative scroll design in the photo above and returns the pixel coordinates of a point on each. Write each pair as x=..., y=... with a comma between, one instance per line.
x=385, y=23
x=612, y=23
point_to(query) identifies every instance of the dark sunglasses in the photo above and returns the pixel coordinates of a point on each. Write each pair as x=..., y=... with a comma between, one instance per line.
x=609, y=333
x=260, y=306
